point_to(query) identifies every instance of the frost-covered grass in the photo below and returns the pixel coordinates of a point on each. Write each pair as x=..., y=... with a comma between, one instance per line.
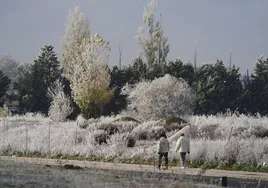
x=223, y=140
x=27, y=175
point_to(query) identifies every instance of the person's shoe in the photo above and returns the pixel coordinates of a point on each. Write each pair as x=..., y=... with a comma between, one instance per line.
x=158, y=168
x=165, y=168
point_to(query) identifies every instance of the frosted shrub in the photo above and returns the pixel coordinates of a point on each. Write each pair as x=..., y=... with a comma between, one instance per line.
x=198, y=153
x=253, y=152
x=230, y=152
x=81, y=122
x=163, y=97
x=110, y=128
x=131, y=140
x=143, y=130
x=100, y=136
x=117, y=144
x=259, y=131
x=113, y=127
x=208, y=131
x=60, y=107
x=155, y=132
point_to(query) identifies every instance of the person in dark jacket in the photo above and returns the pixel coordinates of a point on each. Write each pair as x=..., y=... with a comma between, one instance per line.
x=163, y=148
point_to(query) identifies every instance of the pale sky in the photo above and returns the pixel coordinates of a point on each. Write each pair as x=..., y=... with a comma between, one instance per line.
x=216, y=25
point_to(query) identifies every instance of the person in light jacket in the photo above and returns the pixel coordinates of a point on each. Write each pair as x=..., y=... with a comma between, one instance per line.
x=163, y=148
x=183, y=147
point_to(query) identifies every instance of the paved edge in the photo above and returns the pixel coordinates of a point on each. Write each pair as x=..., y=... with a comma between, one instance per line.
x=141, y=168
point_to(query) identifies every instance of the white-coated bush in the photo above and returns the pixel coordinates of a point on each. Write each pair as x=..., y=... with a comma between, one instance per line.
x=163, y=97
x=60, y=107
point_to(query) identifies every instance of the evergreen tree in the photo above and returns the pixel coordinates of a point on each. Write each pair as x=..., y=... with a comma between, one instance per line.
x=255, y=96
x=4, y=84
x=179, y=69
x=217, y=88
x=34, y=80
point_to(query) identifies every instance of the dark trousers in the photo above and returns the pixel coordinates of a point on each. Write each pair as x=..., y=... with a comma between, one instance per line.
x=182, y=159
x=160, y=156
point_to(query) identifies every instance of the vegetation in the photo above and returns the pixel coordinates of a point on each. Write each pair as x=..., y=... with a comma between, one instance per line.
x=123, y=110
x=217, y=141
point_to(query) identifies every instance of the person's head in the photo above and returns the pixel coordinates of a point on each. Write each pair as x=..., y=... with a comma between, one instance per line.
x=163, y=135
x=182, y=134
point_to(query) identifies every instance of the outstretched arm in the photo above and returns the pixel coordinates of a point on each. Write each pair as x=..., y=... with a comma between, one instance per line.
x=178, y=145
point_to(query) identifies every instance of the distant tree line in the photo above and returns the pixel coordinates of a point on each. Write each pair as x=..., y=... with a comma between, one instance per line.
x=217, y=88
x=94, y=89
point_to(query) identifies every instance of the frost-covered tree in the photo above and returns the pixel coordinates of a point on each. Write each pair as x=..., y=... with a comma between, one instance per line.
x=163, y=97
x=9, y=66
x=85, y=65
x=77, y=31
x=60, y=107
x=154, y=44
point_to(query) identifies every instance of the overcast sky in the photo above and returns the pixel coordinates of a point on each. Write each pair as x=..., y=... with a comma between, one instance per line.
x=216, y=25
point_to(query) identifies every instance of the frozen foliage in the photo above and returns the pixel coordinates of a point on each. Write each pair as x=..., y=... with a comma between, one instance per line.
x=37, y=134
x=77, y=30
x=9, y=66
x=148, y=130
x=160, y=98
x=81, y=122
x=224, y=125
x=85, y=64
x=154, y=45
x=60, y=106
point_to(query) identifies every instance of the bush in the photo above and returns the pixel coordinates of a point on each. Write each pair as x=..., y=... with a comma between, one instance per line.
x=160, y=98
x=143, y=130
x=230, y=152
x=110, y=128
x=100, y=136
x=173, y=123
x=142, y=134
x=156, y=132
x=131, y=140
x=60, y=107
x=208, y=131
x=81, y=122
x=261, y=131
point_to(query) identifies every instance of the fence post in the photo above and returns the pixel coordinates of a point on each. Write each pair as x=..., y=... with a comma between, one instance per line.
x=75, y=139
x=26, y=140
x=4, y=130
x=6, y=135
x=49, y=138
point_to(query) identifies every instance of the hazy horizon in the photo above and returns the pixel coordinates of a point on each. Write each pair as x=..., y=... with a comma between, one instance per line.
x=211, y=26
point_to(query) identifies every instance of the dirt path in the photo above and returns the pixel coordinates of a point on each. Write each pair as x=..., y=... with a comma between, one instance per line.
x=144, y=168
